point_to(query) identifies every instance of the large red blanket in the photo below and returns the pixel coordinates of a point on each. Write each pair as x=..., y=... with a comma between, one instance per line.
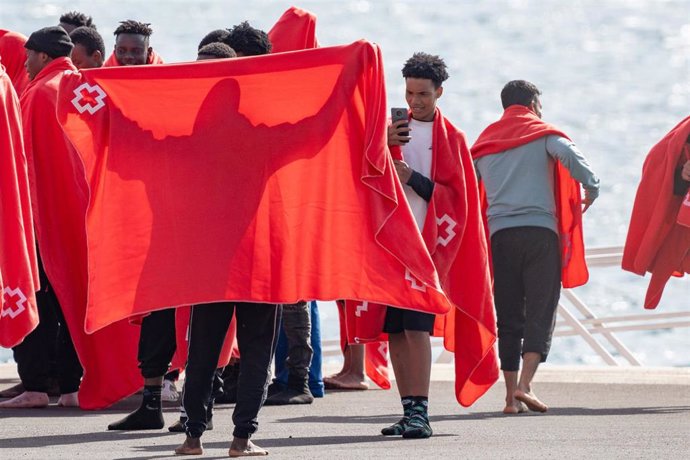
x=519, y=126
x=18, y=270
x=249, y=179
x=656, y=242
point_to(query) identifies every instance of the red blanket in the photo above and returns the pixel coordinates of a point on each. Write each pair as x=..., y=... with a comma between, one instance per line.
x=18, y=270
x=59, y=200
x=519, y=126
x=154, y=58
x=220, y=181
x=294, y=31
x=656, y=243
x=455, y=237
x=13, y=57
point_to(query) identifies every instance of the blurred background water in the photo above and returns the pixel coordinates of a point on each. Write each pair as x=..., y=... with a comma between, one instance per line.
x=615, y=75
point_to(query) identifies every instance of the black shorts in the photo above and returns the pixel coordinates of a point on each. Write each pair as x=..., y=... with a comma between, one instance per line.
x=400, y=319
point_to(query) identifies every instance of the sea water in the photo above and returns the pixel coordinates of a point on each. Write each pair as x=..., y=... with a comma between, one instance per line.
x=615, y=75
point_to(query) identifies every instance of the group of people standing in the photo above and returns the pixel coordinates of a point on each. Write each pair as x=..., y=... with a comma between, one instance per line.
x=523, y=175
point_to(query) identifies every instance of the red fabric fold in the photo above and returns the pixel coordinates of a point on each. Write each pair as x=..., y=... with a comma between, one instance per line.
x=656, y=242
x=13, y=57
x=519, y=126
x=59, y=200
x=455, y=237
x=210, y=181
x=18, y=269
x=154, y=58
x=295, y=30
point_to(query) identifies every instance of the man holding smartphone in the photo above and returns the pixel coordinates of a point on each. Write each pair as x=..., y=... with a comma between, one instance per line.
x=441, y=189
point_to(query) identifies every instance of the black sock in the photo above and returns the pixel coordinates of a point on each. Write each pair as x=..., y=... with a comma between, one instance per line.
x=152, y=397
x=420, y=404
x=149, y=416
x=407, y=403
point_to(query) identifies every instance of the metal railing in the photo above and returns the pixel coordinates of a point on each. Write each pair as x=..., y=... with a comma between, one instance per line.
x=598, y=332
x=576, y=318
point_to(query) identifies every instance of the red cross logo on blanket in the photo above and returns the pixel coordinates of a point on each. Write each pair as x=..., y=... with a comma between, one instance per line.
x=414, y=282
x=450, y=229
x=88, y=98
x=9, y=294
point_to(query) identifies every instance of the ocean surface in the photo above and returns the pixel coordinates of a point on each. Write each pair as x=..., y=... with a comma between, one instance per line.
x=615, y=75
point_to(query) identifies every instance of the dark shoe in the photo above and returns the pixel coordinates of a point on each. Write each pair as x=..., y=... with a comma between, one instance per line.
x=290, y=396
x=178, y=426
x=397, y=428
x=140, y=419
x=418, y=427
x=274, y=388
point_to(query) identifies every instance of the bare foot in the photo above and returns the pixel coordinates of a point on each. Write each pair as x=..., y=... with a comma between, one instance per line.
x=515, y=407
x=69, y=400
x=27, y=400
x=531, y=401
x=346, y=381
x=190, y=446
x=245, y=448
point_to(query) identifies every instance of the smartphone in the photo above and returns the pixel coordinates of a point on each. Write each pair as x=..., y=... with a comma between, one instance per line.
x=397, y=114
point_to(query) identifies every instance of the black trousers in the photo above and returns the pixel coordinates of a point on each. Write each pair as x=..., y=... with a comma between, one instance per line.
x=48, y=353
x=157, y=343
x=527, y=286
x=257, y=336
x=297, y=327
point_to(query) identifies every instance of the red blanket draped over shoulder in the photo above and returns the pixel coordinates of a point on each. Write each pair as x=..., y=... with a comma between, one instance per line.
x=154, y=58
x=519, y=126
x=248, y=179
x=18, y=270
x=656, y=242
x=59, y=200
x=455, y=237
x=13, y=57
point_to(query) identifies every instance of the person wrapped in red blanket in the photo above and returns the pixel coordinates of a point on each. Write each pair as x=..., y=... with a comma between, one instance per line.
x=18, y=269
x=132, y=45
x=659, y=234
x=432, y=159
x=530, y=171
x=46, y=50
x=13, y=57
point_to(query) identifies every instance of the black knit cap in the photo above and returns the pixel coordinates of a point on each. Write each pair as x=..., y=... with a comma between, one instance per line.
x=54, y=41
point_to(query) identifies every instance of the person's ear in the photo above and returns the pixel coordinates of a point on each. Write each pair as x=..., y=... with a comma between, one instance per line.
x=439, y=92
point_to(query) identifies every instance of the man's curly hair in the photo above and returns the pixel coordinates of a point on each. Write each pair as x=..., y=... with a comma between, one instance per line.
x=218, y=35
x=248, y=41
x=134, y=27
x=217, y=50
x=423, y=65
x=77, y=19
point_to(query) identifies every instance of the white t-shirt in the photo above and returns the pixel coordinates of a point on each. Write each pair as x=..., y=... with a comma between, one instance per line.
x=418, y=154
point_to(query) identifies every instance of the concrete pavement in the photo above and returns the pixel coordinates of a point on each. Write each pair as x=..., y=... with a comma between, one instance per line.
x=595, y=413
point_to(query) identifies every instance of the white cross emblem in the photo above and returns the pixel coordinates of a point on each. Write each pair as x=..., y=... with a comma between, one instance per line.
x=413, y=281
x=364, y=306
x=8, y=310
x=383, y=349
x=450, y=232
x=88, y=98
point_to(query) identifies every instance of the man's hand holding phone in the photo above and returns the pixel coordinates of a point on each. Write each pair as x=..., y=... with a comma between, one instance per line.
x=398, y=131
